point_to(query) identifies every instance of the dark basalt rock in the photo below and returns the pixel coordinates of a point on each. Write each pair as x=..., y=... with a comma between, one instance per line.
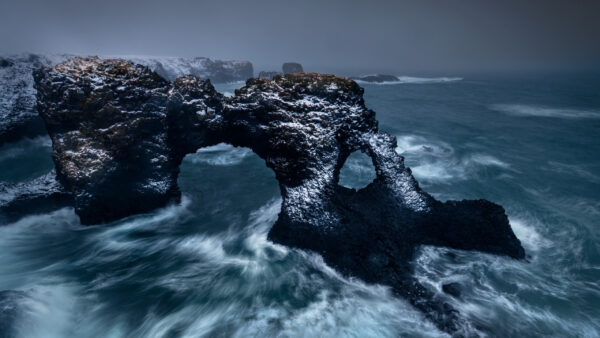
x=268, y=75
x=119, y=133
x=452, y=289
x=18, y=112
x=292, y=67
x=5, y=62
x=377, y=78
x=217, y=71
x=108, y=126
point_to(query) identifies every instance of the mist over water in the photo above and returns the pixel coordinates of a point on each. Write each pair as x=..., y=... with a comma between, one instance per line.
x=204, y=268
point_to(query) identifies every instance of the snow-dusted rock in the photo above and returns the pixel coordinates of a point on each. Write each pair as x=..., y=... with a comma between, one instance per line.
x=120, y=131
x=217, y=71
x=107, y=122
x=18, y=113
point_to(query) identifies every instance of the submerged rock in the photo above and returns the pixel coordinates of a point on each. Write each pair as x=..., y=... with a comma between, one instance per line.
x=377, y=78
x=452, y=289
x=119, y=133
x=292, y=67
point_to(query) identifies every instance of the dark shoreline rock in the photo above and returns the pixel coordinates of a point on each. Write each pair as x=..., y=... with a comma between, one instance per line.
x=453, y=289
x=18, y=111
x=120, y=131
x=377, y=78
x=217, y=71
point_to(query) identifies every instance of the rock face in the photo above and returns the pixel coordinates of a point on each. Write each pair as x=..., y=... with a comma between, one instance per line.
x=377, y=78
x=119, y=133
x=292, y=67
x=107, y=122
x=217, y=71
x=18, y=112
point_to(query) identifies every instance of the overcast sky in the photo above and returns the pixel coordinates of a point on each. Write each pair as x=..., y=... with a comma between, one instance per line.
x=448, y=36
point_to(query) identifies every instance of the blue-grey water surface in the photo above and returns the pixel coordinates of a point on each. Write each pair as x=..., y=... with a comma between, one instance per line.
x=204, y=268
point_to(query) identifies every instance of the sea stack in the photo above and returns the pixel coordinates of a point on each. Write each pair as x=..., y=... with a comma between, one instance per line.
x=292, y=67
x=120, y=131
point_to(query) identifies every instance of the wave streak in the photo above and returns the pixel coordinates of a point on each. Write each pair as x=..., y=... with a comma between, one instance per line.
x=542, y=111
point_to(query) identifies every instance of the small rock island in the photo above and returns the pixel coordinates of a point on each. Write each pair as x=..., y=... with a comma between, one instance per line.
x=119, y=133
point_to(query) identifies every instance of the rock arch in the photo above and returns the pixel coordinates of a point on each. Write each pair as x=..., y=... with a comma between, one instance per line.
x=120, y=132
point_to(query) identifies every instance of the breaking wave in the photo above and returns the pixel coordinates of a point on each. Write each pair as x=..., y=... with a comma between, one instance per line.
x=232, y=283
x=541, y=111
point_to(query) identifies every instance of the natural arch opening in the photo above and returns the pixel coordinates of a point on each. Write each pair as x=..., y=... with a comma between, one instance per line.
x=357, y=172
x=225, y=185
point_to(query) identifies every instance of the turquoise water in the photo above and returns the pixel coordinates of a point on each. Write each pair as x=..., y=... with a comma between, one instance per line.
x=205, y=268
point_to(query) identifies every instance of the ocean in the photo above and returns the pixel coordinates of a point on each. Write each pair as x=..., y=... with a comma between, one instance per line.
x=204, y=268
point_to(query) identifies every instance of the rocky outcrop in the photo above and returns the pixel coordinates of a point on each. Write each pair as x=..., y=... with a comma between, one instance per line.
x=268, y=75
x=119, y=133
x=292, y=67
x=377, y=78
x=217, y=71
x=108, y=126
x=18, y=111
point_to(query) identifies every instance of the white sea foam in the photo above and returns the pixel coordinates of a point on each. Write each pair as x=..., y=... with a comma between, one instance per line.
x=492, y=288
x=434, y=160
x=414, y=80
x=526, y=232
x=544, y=111
x=221, y=154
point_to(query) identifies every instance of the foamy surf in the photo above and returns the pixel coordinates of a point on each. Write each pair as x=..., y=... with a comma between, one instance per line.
x=220, y=155
x=414, y=80
x=544, y=111
x=434, y=160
